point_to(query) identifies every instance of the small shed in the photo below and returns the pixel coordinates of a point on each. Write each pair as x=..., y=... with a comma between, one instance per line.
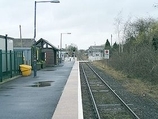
x=95, y=53
x=25, y=45
x=48, y=52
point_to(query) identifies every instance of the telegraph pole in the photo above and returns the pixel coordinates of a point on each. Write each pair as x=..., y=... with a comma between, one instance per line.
x=20, y=35
x=111, y=40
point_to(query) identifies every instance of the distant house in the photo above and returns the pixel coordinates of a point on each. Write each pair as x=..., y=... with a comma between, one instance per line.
x=95, y=53
x=24, y=45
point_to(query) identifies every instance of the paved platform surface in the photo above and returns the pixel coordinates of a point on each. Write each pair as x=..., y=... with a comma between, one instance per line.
x=34, y=98
x=70, y=103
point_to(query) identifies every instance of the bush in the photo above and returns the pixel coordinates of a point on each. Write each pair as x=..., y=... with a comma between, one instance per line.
x=140, y=62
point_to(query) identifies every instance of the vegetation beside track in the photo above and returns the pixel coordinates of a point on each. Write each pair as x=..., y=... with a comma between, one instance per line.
x=134, y=85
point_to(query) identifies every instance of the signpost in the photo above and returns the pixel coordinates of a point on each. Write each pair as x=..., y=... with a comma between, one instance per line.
x=106, y=54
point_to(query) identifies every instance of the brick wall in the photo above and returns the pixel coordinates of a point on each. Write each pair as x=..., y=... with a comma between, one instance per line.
x=49, y=58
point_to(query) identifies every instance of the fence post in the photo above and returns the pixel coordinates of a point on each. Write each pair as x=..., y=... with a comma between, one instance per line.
x=11, y=75
x=6, y=51
x=22, y=56
x=1, y=74
x=15, y=71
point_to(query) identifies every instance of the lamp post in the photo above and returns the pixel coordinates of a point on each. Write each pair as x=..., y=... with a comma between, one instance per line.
x=61, y=45
x=34, y=44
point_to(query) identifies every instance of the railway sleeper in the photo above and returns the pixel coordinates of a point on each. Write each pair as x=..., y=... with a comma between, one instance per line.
x=111, y=108
x=112, y=105
x=100, y=91
x=98, y=85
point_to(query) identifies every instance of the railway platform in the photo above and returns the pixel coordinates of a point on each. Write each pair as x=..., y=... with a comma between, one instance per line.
x=54, y=93
x=70, y=103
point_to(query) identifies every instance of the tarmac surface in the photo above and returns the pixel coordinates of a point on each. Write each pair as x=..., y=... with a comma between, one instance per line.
x=34, y=98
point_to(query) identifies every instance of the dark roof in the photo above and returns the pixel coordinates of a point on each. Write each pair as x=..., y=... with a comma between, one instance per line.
x=24, y=42
x=96, y=48
x=41, y=42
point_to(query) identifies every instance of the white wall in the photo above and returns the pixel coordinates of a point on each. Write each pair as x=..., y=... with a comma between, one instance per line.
x=9, y=44
x=96, y=56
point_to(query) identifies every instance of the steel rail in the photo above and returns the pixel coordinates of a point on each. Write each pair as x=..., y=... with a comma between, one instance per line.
x=92, y=97
x=121, y=100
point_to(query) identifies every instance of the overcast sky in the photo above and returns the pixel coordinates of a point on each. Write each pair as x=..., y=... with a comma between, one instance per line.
x=90, y=22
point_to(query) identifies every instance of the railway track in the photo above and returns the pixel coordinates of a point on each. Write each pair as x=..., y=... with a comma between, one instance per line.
x=100, y=100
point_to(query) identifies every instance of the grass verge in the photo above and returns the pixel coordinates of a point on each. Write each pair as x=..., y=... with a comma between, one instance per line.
x=136, y=86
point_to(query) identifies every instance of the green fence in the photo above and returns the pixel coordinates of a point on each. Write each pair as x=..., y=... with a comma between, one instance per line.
x=9, y=64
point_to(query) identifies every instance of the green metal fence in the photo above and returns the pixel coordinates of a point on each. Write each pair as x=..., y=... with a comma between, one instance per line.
x=9, y=64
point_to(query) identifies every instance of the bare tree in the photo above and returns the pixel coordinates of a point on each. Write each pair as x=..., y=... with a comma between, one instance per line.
x=125, y=29
x=139, y=58
x=118, y=23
